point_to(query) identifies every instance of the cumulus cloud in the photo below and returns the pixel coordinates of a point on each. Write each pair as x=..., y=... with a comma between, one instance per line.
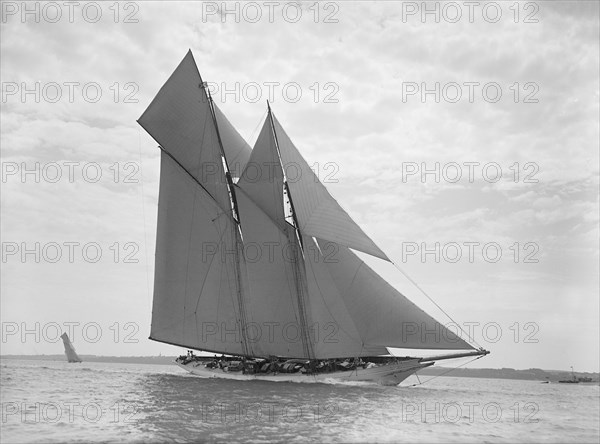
x=356, y=110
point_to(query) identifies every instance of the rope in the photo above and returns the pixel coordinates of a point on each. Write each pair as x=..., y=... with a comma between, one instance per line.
x=144, y=217
x=258, y=125
x=436, y=304
x=445, y=373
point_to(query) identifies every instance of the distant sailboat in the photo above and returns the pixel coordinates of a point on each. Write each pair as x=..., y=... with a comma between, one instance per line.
x=243, y=264
x=574, y=379
x=69, y=349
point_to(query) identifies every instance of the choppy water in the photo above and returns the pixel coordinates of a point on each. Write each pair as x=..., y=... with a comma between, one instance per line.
x=45, y=401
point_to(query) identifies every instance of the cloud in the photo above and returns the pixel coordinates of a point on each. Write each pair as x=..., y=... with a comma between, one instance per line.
x=369, y=130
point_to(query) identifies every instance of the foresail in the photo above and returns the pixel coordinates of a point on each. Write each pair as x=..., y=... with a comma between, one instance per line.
x=274, y=326
x=317, y=212
x=180, y=120
x=263, y=183
x=381, y=314
x=237, y=150
x=194, y=281
x=334, y=330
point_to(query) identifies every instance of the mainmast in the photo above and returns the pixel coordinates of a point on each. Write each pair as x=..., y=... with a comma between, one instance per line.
x=298, y=252
x=236, y=231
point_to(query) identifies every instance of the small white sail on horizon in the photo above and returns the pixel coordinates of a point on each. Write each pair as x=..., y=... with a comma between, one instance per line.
x=69, y=349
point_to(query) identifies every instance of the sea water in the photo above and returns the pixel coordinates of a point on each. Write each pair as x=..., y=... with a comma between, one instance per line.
x=51, y=401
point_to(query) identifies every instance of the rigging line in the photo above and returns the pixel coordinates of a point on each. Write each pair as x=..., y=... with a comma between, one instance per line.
x=299, y=277
x=236, y=228
x=255, y=130
x=208, y=269
x=235, y=288
x=352, y=283
x=435, y=303
x=316, y=283
x=221, y=213
x=190, y=175
x=187, y=269
x=145, y=228
x=301, y=286
x=178, y=163
x=285, y=180
x=355, y=274
x=362, y=347
x=445, y=373
x=289, y=270
x=223, y=159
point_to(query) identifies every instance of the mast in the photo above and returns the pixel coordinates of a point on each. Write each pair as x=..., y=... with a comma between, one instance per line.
x=236, y=231
x=298, y=251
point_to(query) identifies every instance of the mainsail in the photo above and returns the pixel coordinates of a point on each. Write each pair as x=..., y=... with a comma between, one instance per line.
x=196, y=294
x=69, y=349
x=246, y=268
x=194, y=281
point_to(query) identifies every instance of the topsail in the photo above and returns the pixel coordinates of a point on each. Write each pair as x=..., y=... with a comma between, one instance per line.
x=263, y=266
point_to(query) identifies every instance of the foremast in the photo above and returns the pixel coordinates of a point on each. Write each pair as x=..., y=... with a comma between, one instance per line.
x=236, y=233
x=295, y=239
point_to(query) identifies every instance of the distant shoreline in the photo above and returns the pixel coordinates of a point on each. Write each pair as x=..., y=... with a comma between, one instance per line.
x=533, y=374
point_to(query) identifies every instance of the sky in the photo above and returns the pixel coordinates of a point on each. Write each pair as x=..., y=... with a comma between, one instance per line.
x=472, y=131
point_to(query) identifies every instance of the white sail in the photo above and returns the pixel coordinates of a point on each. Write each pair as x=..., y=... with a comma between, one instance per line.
x=381, y=314
x=262, y=178
x=338, y=315
x=318, y=213
x=336, y=333
x=331, y=329
x=194, y=281
x=69, y=349
x=262, y=181
x=273, y=329
x=180, y=120
x=208, y=292
x=237, y=150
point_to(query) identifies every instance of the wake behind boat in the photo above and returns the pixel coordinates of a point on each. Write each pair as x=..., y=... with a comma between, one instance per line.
x=259, y=266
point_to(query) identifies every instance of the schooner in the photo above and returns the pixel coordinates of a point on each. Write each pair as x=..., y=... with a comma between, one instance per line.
x=258, y=267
